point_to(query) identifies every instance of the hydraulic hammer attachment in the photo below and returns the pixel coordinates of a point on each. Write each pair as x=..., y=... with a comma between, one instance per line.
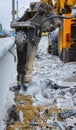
x=28, y=34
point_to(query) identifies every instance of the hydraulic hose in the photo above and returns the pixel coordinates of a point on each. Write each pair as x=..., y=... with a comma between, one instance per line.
x=56, y=16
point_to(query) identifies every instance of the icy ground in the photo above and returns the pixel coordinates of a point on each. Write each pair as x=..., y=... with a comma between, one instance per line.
x=52, y=84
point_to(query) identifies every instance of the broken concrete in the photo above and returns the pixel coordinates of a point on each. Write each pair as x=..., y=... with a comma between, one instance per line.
x=41, y=106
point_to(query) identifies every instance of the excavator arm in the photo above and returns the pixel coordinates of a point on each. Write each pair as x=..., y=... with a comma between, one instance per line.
x=48, y=1
x=64, y=6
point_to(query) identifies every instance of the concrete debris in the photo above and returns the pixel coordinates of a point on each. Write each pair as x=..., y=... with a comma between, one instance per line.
x=15, y=88
x=67, y=113
x=71, y=121
x=13, y=115
x=21, y=116
x=37, y=117
x=70, y=128
x=49, y=103
x=56, y=86
x=73, y=91
x=74, y=100
x=64, y=102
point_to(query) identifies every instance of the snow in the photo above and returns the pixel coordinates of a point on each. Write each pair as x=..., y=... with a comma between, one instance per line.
x=5, y=44
x=47, y=69
x=50, y=67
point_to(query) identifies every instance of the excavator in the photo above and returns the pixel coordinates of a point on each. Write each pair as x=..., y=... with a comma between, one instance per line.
x=65, y=45
x=43, y=16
